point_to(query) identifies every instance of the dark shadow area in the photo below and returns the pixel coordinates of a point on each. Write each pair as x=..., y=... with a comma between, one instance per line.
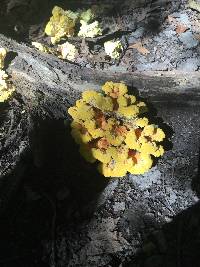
x=155, y=17
x=9, y=58
x=196, y=181
x=178, y=243
x=13, y=134
x=56, y=154
x=183, y=238
x=17, y=18
x=58, y=189
x=175, y=244
x=4, y=108
x=157, y=14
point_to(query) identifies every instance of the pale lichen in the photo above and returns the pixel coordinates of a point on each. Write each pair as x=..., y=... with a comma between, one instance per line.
x=67, y=50
x=113, y=49
x=89, y=30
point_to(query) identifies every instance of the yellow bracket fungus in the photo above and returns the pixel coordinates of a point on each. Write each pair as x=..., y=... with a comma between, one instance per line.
x=6, y=87
x=61, y=24
x=109, y=129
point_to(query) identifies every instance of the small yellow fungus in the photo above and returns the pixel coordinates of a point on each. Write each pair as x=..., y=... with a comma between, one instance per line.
x=41, y=47
x=128, y=112
x=101, y=155
x=141, y=122
x=155, y=133
x=67, y=50
x=87, y=15
x=108, y=129
x=131, y=140
x=131, y=98
x=113, y=169
x=6, y=87
x=148, y=130
x=122, y=101
x=5, y=91
x=90, y=95
x=3, y=79
x=149, y=148
x=89, y=30
x=119, y=153
x=110, y=124
x=114, y=139
x=113, y=49
x=98, y=100
x=3, y=53
x=61, y=24
x=158, y=135
x=142, y=165
x=114, y=90
x=83, y=112
x=92, y=128
x=81, y=135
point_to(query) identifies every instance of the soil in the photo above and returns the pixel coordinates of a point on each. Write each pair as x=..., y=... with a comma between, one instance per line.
x=62, y=212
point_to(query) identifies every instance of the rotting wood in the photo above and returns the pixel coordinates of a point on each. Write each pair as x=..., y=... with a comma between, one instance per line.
x=62, y=77
x=48, y=85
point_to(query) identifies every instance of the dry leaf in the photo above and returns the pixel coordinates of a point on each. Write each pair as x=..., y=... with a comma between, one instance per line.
x=115, y=92
x=181, y=28
x=140, y=48
x=115, y=104
x=138, y=132
x=103, y=143
x=132, y=154
x=121, y=130
x=171, y=19
x=101, y=121
x=83, y=130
